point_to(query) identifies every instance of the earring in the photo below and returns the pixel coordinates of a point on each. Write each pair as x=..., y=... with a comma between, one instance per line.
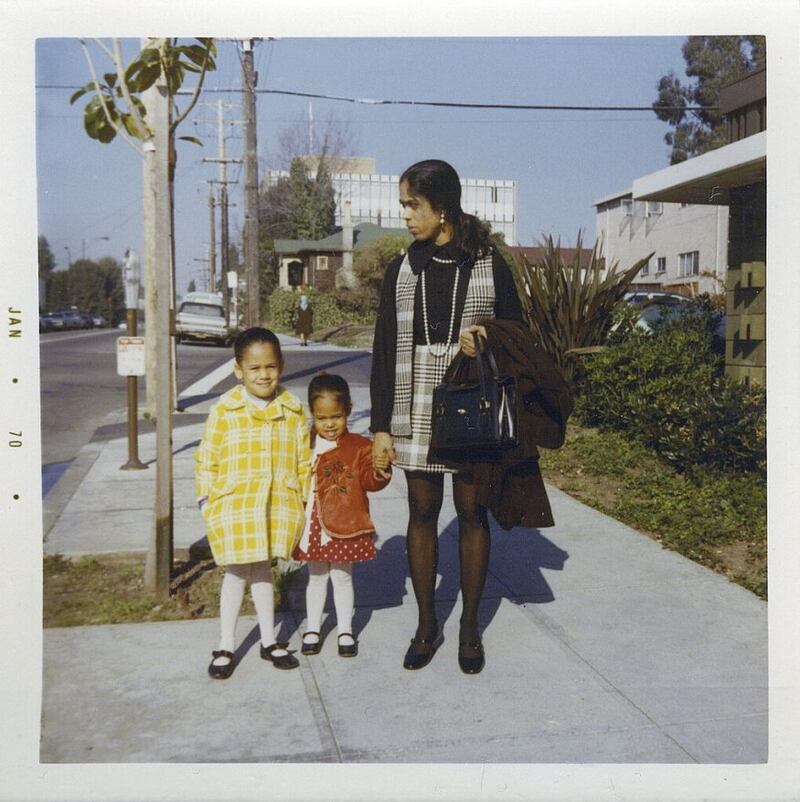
x=441, y=218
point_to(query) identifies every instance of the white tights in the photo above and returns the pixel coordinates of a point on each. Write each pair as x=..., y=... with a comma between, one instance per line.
x=230, y=602
x=341, y=575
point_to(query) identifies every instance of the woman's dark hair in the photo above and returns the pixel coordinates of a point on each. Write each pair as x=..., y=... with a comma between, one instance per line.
x=330, y=384
x=255, y=334
x=438, y=182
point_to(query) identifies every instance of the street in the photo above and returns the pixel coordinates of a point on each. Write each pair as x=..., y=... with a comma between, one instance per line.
x=80, y=387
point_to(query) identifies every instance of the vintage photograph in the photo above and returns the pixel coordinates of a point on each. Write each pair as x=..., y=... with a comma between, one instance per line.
x=403, y=403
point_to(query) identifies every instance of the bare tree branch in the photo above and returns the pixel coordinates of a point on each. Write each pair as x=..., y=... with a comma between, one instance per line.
x=196, y=95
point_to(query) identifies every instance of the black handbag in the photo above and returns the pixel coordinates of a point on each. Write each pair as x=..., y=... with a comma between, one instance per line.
x=474, y=421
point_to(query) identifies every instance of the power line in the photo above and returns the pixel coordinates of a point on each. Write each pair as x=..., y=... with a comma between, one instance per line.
x=435, y=103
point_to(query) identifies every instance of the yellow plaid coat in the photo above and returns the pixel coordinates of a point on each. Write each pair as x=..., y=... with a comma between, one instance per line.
x=254, y=466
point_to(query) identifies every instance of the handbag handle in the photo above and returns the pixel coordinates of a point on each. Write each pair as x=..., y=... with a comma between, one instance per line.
x=479, y=355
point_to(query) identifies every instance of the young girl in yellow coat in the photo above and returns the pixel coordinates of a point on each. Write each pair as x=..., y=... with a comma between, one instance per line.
x=252, y=470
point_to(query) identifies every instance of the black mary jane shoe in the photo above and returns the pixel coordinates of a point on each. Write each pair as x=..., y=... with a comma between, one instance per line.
x=416, y=659
x=223, y=671
x=347, y=650
x=475, y=664
x=311, y=648
x=284, y=661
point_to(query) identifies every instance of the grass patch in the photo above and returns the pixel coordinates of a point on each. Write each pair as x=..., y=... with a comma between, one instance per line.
x=718, y=520
x=109, y=589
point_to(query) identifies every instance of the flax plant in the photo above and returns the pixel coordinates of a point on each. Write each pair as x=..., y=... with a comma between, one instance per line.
x=569, y=306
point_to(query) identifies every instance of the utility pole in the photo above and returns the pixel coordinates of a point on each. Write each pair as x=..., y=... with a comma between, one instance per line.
x=223, y=161
x=159, y=556
x=249, y=79
x=212, y=239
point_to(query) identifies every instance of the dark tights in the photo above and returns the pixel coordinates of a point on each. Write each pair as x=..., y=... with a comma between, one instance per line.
x=425, y=493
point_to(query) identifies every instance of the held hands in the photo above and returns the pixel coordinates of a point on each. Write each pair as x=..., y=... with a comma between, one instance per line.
x=467, y=343
x=382, y=455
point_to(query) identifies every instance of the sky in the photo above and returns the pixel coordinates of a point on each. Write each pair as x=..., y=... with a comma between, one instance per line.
x=89, y=194
x=84, y=191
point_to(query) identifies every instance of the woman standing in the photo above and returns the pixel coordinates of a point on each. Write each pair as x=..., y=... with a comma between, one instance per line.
x=304, y=319
x=432, y=300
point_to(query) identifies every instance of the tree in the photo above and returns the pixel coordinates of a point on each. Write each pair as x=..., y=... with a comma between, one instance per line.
x=712, y=61
x=313, y=201
x=92, y=286
x=47, y=261
x=370, y=262
x=192, y=287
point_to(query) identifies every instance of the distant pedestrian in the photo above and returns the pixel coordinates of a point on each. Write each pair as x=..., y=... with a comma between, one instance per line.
x=252, y=468
x=304, y=319
x=338, y=530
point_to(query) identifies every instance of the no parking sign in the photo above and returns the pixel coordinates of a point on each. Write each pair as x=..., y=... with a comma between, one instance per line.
x=130, y=356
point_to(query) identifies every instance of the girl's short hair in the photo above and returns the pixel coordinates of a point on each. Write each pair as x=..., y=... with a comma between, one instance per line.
x=255, y=334
x=330, y=384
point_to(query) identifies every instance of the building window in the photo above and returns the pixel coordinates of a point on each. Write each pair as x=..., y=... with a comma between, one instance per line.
x=690, y=263
x=322, y=263
x=661, y=264
x=494, y=194
x=627, y=206
x=654, y=208
x=646, y=268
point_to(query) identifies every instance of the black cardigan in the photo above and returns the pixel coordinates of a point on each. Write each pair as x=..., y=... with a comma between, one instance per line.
x=439, y=300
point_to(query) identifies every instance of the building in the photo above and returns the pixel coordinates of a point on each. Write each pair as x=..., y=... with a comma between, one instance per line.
x=733, y=177
x=375, y=198
x=688, y=241
x=326, y=263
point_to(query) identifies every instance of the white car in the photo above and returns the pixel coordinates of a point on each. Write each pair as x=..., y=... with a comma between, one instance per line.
x=201, y=316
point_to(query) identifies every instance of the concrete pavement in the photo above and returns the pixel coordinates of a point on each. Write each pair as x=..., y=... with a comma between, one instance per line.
x=601, y=646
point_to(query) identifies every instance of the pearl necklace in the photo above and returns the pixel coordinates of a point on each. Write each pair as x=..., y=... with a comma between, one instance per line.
x=432, y=348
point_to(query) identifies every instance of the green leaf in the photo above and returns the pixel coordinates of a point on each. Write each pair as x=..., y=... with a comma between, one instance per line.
x=82, y=91
x=191, y=139
x=110, y=78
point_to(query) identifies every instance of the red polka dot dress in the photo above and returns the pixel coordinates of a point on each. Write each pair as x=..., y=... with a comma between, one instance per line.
x=337, y=550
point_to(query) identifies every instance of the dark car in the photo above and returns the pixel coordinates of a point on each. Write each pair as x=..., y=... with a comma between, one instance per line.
x=53, y=321
x=72, y=319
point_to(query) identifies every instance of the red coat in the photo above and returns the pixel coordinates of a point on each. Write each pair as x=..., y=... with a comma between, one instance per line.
x=344, y=476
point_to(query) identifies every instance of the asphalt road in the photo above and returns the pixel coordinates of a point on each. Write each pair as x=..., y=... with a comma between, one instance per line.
x=79, y=386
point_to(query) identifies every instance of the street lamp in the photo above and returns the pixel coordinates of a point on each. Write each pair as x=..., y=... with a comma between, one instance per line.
x=83, y=245
x=69, y=256
x=131, y=272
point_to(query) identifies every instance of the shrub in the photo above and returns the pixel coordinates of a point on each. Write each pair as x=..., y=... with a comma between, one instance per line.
x=331, y=308
x=666, y=390
x=569, y=306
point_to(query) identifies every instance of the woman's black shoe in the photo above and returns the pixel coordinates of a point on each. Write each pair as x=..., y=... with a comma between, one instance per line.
x=311, y=648
x=348, y=650
x=223, y=671
x=284, y=661
x=416, y=658
x=474, y=664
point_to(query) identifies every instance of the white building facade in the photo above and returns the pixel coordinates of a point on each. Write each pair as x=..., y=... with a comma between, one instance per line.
x=375, y=198
x=689, y=241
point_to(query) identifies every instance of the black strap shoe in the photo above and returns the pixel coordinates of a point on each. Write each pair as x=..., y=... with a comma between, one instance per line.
x=348, y=650
x=417, y=657
x=310, y=648
x=472, y=664
x=221, y=671
x=284, y=661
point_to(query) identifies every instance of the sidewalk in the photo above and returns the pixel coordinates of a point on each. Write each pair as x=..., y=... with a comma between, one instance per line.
x=601, y=647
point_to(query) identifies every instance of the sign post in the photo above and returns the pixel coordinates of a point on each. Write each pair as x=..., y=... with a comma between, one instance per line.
x=130, y=357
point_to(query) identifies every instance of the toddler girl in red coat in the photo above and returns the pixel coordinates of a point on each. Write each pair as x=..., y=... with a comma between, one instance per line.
x=338, y=530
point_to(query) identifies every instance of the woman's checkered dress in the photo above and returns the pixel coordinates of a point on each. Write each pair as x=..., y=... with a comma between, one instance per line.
x=427, y=370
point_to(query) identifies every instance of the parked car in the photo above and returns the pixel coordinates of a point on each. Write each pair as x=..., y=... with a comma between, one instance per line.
x=654, y=306
x=201, y=316
x=99, y=321
x=88, y=319
x=72, y=319
x=47, y=322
